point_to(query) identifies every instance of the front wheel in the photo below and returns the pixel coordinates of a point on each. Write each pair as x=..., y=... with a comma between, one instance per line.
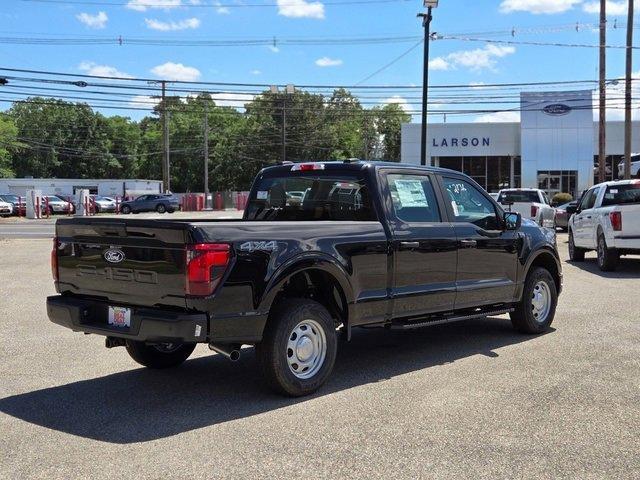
x=125, y=210
x=575, y=254
x=161, y=208
x=607, y=257
x=536, y=310
x=299, y=347
x=159, y=355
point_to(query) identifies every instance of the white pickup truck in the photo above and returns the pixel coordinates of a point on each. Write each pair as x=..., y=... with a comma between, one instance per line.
x=607, y=220
x=635, y=167
x=530, y=203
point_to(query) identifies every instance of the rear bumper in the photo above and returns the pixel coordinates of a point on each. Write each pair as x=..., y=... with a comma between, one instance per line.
x=147, y=324
x=630, y=243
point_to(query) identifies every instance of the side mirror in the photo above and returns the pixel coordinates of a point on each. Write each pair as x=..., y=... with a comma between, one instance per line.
x=512, y=220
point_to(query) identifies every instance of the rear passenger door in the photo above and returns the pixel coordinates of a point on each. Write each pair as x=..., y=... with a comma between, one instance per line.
x=423, y=245
x=487, y=253
x=583, y=221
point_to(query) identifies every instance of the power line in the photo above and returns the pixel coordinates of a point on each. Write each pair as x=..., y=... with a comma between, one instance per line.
x=530, y=43
x=213, y=5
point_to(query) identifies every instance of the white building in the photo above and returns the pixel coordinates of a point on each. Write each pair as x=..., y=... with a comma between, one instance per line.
x=69, y=186
x=554, y=147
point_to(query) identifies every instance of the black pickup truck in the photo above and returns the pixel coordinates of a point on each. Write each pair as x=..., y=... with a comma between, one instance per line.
x=323, y=248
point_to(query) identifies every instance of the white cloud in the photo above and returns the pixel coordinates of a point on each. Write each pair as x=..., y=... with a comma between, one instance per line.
x=188, y=23
x=478, y=85
x=92, y=68
x=300, y=9
x=538, y=6
x=273, y=48
x=143, y=5
x=256, y=72
x=613, y=8
x=498, y=117
x=404, y=104
x=97, y=21
x=476, y=60
x=328, y=62
x=144, y=101
x=221, y=10
x=439, y=63
x=235, y=100
x=176, y=71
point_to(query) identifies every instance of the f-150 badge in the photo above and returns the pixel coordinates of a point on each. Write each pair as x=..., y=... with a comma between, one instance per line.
x=270, y=246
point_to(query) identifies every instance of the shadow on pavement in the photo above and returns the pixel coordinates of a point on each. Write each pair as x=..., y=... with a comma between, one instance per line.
x=628, y=267
x=141, y=405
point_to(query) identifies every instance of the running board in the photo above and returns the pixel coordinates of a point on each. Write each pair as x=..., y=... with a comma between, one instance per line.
x=439, y=321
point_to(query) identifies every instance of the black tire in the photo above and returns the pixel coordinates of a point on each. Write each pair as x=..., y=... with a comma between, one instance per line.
x=274, y=356
x=160, y=208
x=164, y=355
x=576, y=254
x=608, y=258
x=524, y=318
x=125, y=209
x=97, y=208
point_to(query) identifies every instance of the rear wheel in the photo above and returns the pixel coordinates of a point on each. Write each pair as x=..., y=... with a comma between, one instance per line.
x=125, y=209
x=299, y=347
x=607, y=257
x=576, y=254
x=159, y=355
x=536, y=310
x=160, y=208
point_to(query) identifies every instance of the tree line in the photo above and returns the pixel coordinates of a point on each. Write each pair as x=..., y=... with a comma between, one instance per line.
x=49, y=137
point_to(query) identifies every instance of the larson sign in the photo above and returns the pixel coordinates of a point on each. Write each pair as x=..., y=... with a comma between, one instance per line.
x=462, y=142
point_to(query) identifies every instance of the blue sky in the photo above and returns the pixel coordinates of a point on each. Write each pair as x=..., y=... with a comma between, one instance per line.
x=453, y=61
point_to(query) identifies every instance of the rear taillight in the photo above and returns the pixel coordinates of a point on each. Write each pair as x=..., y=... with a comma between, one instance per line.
x=616, y=221
x=534, y=211
x=54, y=260
x=206, y=264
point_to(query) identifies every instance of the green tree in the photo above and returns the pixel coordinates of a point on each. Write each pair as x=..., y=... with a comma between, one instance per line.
x=9, y=145
x=390, y=119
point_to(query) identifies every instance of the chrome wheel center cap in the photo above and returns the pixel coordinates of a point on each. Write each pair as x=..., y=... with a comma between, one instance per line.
x=304, y=349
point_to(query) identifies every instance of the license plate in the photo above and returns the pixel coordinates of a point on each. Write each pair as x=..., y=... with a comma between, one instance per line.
x=119, y=317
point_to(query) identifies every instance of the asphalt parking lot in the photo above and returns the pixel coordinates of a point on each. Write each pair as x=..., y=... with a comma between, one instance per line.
x=468, y=400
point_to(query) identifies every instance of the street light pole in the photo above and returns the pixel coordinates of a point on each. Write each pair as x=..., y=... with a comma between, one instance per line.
x=426, y=24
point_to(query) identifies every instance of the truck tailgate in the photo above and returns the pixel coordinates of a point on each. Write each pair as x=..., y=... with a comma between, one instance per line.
x=124, y=261
x=630, y=220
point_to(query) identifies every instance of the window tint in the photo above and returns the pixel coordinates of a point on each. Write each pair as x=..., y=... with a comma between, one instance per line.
x=589, y=199
x=470, y=205
x=518, y=196
x=306, y=197
x=413, y=198
x=622, y=194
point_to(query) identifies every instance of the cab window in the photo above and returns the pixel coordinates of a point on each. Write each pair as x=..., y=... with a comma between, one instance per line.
x=589, y=200
x=469, y=205
x=413, y=198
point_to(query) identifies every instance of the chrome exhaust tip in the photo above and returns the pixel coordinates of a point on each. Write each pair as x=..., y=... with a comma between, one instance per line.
x=232, y=352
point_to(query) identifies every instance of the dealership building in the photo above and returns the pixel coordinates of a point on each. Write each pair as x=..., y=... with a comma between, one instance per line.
x=70, y=186
x=554, y=147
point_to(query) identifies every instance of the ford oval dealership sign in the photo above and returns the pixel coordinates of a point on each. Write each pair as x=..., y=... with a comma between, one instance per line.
x=557, y=109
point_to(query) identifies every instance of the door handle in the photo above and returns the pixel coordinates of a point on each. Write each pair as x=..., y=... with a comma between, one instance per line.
x=407, y=245
x=588, y=216
x=468, y=243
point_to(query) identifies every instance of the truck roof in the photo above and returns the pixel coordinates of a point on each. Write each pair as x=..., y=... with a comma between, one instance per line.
x=358, y=165
x=614, y=183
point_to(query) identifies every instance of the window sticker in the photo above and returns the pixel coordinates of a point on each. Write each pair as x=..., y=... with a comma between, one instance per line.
x=613, y=190
x=262, y=195
x=454, y=205
x=411, y=193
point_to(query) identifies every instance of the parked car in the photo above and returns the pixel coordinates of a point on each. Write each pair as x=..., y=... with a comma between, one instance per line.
x=371, y=245
x=635, y=167
x=563, y=212
x=19, y=204
x=157, y=202
x=6, y=209
x=103, y=204
x=530, y=203
x=57, y=204
x=607, y=220
x=495, y=196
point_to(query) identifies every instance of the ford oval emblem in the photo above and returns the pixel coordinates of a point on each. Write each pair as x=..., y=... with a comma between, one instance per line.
x=557, y=109
x=113, y=255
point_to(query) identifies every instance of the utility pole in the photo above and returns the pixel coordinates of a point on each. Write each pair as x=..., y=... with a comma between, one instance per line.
x=283, y=155
x=166, y=174
x=627, y=95
x=426, y=24
x=206, y=153
x=602, y=135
